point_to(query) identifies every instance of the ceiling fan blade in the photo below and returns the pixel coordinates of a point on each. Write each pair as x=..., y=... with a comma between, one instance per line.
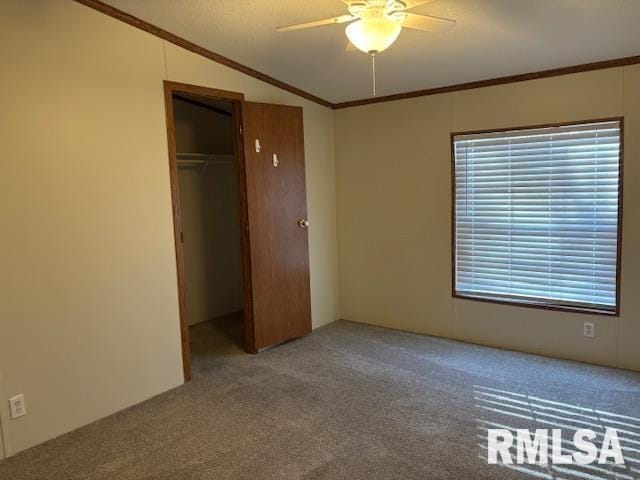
x=427, y=23
x=317, y=23
x=411, y=4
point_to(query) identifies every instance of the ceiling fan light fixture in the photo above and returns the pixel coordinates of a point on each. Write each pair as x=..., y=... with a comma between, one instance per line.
x=373, y=35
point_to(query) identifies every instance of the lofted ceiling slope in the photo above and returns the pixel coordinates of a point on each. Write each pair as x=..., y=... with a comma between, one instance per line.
x=492, y=38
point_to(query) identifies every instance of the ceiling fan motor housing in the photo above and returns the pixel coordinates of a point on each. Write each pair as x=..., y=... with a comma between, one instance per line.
x=376, y=8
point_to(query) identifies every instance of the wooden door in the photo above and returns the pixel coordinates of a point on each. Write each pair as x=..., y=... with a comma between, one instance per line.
x=277, y=220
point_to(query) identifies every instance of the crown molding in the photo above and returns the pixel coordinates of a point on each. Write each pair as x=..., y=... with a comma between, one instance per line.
x=556, y=72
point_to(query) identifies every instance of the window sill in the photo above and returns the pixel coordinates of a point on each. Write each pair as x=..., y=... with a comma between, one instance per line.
x=538, y=304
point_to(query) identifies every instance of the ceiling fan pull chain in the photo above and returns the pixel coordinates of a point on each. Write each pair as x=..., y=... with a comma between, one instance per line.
x=373, y=73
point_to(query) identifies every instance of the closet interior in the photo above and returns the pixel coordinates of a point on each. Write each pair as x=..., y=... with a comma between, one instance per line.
x=210, y=221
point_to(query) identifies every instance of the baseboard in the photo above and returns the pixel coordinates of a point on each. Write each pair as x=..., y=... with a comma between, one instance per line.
x=488, y=345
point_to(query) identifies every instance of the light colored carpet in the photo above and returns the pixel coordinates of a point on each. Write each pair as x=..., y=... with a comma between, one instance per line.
x=346, y=402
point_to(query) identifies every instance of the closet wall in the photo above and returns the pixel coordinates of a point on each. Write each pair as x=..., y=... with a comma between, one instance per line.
x=199, y=130
x=210, y=216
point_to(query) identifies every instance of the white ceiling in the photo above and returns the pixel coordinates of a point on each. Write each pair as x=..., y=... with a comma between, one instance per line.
x=493, y=38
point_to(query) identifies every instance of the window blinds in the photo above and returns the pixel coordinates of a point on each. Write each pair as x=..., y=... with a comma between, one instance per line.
x=536, y=215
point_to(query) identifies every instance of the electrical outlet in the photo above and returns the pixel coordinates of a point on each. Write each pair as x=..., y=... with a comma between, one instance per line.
x=589, y=329
x=18, y=407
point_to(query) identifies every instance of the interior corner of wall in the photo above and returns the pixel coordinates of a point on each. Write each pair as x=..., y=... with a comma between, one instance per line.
x=4, y=436
x=454, y=318
x=3, y=452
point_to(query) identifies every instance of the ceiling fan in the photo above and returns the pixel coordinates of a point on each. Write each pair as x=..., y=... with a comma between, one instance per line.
x=373, y=25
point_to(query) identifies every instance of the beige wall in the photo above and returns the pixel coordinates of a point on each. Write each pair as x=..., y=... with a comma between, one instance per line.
x=88, y=299
x=211, y=228
x=2, y=445
x=393, y=167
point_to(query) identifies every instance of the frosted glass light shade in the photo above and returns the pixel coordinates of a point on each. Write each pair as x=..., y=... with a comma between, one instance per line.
x=373, y=35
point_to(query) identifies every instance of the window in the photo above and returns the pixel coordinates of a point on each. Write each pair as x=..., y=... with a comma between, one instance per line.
x=537, y=215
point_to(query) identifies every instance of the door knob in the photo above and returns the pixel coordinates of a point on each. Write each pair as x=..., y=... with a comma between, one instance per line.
x=303, y=223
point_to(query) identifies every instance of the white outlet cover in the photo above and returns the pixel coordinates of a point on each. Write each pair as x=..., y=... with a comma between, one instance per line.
x=589, y=329
x=17, y=406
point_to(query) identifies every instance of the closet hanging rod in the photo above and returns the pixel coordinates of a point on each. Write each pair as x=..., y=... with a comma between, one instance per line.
x=202, y=158
x=205, y=157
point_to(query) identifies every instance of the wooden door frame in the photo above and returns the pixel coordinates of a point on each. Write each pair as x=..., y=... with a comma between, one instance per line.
x=236, y=99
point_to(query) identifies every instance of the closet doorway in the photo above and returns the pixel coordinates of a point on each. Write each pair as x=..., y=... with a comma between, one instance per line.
x=240, y=219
